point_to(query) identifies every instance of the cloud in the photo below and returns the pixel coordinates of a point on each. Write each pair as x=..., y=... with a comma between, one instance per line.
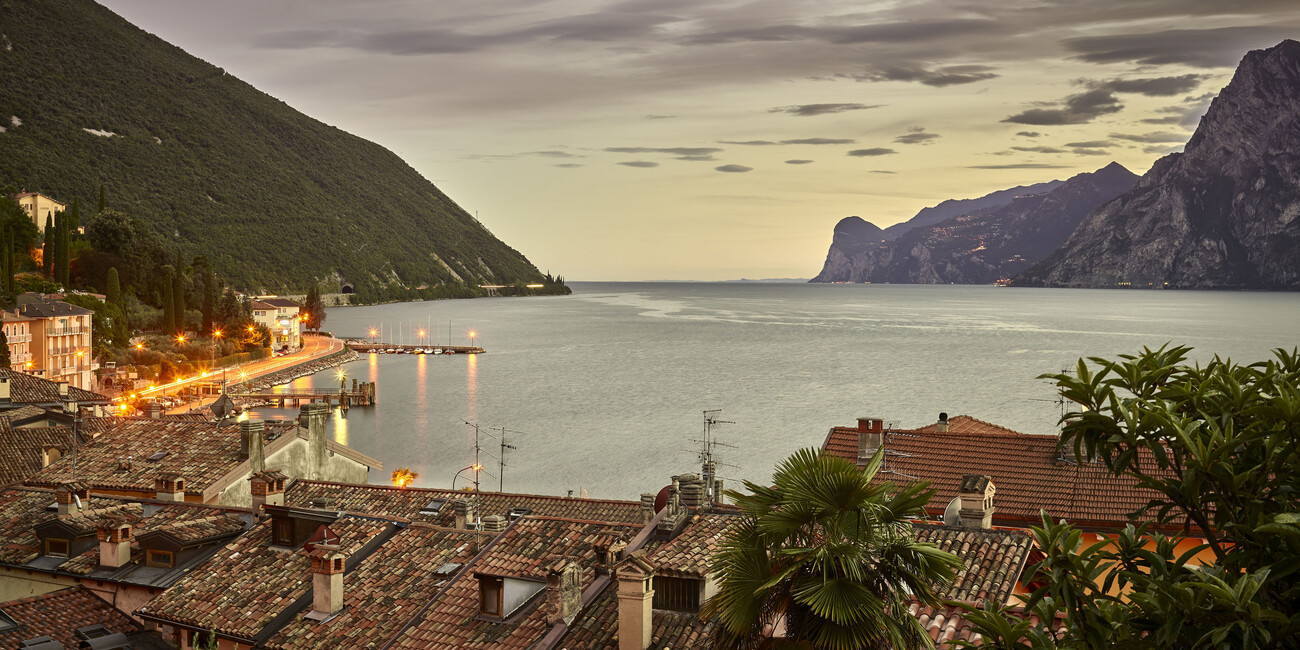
x=568, y=165
x=1202, y=48
x=916, y=135
x=1090, y=152
x=554, y=154
x=1029, y=134
x=748, y=143
x=1162, y=149
x=806, y=110
x=903, y=31
x=1159, y=136
x=680, y=153
x=795, y=141
x=882, y=171
x=1019, y=166
x=874, y=151
x=639, y=163
x=1153, y=86
x=733, y=169
x=1039, y=149
x=1079, y=109
x=1089, y=144
x=660, y=117
x=945, y=76
x=797, y=162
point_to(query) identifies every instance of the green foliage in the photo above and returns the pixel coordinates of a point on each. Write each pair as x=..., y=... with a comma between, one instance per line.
x=832, y=554
x=1217, y=446
x=47, y=252
x=108, y=326
x=113, y=290
x=178, y=295
x=4, y=349
x=314, y=307
x=168, y=302
x=277, y=199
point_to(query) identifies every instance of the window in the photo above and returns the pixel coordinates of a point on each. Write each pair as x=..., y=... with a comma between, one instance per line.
x=56, y=547
x=283, y=533
x=161, y=559
x=489, y=594
x=678, y=594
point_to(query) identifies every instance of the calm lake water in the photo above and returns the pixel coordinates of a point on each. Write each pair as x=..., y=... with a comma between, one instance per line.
x=603, y=391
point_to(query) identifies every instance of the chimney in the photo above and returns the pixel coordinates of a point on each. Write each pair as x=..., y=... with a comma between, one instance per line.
x=250, y=444
x=635, y=602
x=72, y=497
x=97, y=411
x=976, y=501
x=4, y=389
x=267, y=488
x=114, y=543
x=691, y=490
x=63, y=389
x=563, y=591
x=493, y=523
x=609, y=550
x=647, y=507
x=169, y=487
x=326, y=581
x=465, y=515
x=313, y=415
x=718, y=497
x=871, y=435
x=942, y=426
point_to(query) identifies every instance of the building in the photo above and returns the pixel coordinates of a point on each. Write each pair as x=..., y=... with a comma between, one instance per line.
x=283, y=318
x=70, y=618
x=18, y=334
x=19, y=390
x=60, y=342
x=205, y=462
x=39, y=207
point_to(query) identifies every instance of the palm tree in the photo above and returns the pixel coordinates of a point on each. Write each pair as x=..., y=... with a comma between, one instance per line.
x=829, y=555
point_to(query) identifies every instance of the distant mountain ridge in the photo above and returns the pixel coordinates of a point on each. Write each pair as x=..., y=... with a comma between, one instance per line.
x=1222, y=214
x=957, y=207
x=274, y=198
x=990, y=239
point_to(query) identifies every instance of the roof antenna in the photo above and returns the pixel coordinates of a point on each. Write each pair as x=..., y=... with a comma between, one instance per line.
x=708, y=455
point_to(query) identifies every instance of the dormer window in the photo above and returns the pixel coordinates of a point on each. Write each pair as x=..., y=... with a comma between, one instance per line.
x=677, y=594
x=160, y=559
x=56, y=547
x=283, y=533
x=490, y=590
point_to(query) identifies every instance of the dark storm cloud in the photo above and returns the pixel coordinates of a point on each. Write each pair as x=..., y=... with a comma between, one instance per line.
x=1154, y=86
x=1019, y=166
x=733, y=169
x=787, y=142
x=1078, y=109
x=1029, y=134
x=1039, y=149
x=917, y=135
x=805, y=110
x=639, y=163
x=1148, y=138
x=1204, y=48
x=680, y=153
x=874, y=151
x=798, y=162
x=945, y=76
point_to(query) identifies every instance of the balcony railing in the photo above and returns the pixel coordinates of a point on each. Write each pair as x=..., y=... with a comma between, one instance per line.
x=20, y=357
x=67, y=331
x=19, y=338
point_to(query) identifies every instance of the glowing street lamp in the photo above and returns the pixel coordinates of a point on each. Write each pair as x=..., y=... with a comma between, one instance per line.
x=180, y=338
x=476, y=468
x=472, y=335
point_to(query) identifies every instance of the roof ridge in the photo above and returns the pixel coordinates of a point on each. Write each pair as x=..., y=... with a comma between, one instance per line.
x=372, y=486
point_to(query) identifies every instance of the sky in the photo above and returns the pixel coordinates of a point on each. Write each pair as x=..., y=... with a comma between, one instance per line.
x=696, y=140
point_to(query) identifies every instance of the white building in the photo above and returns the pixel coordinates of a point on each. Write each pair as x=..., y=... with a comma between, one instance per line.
x=283, y=317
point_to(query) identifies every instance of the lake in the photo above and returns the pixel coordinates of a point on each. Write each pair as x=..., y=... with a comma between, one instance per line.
x=602, y=392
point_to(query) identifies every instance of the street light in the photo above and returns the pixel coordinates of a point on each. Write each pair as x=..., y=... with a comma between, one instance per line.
x=472, y=335
x=473, y=467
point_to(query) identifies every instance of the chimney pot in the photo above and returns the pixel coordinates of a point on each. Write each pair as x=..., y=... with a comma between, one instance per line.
x=4, y=389
x=976, y=501
x=563, y=592
x=313, y=415
x=63, y=389
x=169, y=487
x=647, y=507
x=635, y=602
x=464, y=513
x=871, y=436
x=327, y=564
x=114, y=543
x=942, y=425
x=493, y=523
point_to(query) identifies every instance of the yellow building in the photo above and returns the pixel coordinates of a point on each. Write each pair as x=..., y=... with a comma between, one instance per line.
x=61, y=342
x=38, y=207
x=18, y=333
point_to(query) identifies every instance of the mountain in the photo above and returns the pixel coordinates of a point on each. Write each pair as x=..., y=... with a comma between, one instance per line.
x=274, y=198
x=957, y=207
x=1222, y=214
x=980, y=246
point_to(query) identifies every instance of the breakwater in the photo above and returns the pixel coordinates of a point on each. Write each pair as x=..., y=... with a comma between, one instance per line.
x=291, y=373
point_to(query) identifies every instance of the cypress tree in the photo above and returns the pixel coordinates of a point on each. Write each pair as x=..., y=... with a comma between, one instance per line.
x=178, y=295
x=102, y=204
x=65, y=252
x=168, y=305
x=113, y=289
x=75, y=214
x=4, y=349
x=47, y=249
x=6, y=249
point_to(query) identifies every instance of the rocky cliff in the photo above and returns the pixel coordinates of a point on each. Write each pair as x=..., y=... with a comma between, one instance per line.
x=1222, y=214
x=979, y=246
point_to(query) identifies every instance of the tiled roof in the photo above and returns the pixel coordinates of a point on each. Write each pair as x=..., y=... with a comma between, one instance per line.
x=21, y=450
x=52, y=309
x=945, y=624
x=992, y=560
x=1028, y=472
x=205, y=454
x=23, y=413
x=245, y=585
x=385, y=590
x=523, y=550
x=407, y=502
x=29, y=389
x=688, y=554
x=596, y=627
x=59, y=614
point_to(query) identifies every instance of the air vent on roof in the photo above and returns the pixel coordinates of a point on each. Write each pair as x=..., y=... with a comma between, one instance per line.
x=516, y=513
x=447, y=569
x=433, y=507
x=157, y=457
x=319, y=502
x=41, y=643
x=92, y=632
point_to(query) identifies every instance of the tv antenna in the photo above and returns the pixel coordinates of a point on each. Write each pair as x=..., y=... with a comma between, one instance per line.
x=708, y=453
x=501, y=471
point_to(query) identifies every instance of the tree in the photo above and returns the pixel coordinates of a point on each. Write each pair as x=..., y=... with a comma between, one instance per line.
x=113, y=290
x=47, y=251
x=168, y=304
x=74, y=215
x=1217, y=447
x=63, y=267
x=178, y=295
x=831, y=553
x=4, y=349
x=102, y=204
x=314, y=307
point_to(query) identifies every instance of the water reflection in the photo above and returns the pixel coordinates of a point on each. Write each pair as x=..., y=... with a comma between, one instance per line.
x=340, y=426
x=471, y=387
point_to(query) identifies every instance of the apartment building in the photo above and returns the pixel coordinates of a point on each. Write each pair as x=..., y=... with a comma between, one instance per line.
x=18, y=333
x=39, y=207
x=60, y=343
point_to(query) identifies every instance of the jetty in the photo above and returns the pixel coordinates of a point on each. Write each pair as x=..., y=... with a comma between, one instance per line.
x=361, y=394
x=392, y=348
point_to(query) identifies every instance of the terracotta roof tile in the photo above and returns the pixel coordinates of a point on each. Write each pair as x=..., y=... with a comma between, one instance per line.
x=992, y=560
x=688, y=554
x=21, y=449
x=30, y=389
x=59, y=614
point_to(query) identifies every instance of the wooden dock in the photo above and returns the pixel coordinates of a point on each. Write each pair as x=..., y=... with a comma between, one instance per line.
x=391, y=348
x=361, y=394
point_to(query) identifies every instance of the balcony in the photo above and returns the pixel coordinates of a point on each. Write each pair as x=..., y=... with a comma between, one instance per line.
x=67, y=331
x=21, y=357
x=19, y=338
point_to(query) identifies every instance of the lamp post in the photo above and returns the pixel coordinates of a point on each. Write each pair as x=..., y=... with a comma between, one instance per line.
x=473, y=334
x=476, y=468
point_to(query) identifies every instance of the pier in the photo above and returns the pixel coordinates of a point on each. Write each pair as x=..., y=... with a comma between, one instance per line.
x=361, y=394
x=391, y=348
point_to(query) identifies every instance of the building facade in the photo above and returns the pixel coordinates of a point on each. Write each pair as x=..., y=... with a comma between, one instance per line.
x=60, y=343
x=38, y=207
x=283, y=317
x=18, y=334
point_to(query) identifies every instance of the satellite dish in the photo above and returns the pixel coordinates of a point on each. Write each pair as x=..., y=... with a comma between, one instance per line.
x=661, y=499
x=223, y=406
x=952, y=514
